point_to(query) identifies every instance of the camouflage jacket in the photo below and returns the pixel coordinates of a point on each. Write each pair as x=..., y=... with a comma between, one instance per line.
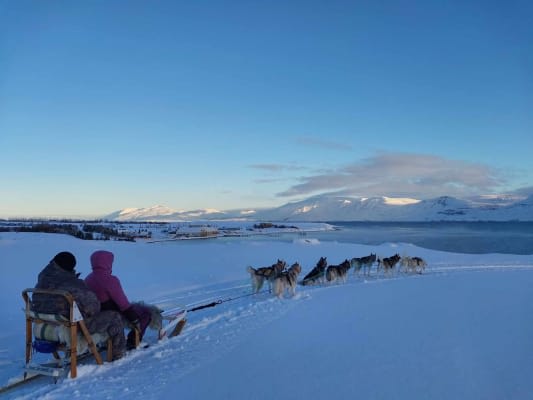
x=54, y=277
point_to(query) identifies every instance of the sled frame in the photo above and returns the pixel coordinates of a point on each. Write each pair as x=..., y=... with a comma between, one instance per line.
x=74, y=323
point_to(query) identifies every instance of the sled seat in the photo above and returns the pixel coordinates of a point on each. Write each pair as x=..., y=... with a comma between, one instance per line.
x=54, y=333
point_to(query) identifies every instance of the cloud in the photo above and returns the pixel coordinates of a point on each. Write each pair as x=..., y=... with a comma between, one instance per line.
x=402, y=175
x=524, y=191
x=268, y=167
x=323, y=144
x=270, y=180
x=276, y=167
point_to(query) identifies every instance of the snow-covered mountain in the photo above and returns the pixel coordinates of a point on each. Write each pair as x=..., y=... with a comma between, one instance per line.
x=338, y=208
x=329, y=208
x=368, y=209
x=163, y=214
x=132, y=214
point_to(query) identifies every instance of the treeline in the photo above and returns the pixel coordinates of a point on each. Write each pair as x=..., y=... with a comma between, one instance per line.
x=87, y=232
x=265, y=225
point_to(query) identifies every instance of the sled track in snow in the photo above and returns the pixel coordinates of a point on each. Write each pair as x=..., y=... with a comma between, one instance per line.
x=212, y=332
x=242, y=287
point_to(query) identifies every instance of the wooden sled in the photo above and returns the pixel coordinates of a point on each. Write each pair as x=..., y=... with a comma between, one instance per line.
x=176, y=322
x=54, y=333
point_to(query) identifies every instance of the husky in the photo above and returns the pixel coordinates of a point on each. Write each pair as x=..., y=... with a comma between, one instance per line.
x=259, y=275
x=389, y=263
x=286, y=281
x=363, y=262
x=317, y=274
x=335, y=272
x=413, y=264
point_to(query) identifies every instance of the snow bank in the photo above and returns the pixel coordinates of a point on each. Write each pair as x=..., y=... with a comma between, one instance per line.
x=462, y=330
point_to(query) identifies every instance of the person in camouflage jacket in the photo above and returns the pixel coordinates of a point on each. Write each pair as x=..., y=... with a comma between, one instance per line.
x=59, y=274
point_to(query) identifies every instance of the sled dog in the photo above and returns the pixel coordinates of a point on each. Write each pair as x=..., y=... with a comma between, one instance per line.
x=286, y=281
x=389, y=263
x=259, y=275
x=365, y=263
x=317, y=274
x=338, y=272
x=413, y=264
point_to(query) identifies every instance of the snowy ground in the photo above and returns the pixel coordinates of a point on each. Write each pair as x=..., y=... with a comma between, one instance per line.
x=463, y=330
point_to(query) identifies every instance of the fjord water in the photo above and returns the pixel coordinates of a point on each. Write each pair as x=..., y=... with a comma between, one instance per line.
x=459, y=237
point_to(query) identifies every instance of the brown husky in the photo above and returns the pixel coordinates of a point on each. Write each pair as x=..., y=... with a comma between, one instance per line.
x=340, y=271
x=287, y=281
x=413, y=264
x=259, y=275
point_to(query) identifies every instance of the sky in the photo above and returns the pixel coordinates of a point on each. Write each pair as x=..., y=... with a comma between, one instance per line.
x=460, y=330
x=106, y=105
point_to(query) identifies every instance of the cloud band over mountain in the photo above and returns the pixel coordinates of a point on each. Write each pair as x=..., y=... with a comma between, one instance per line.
x=402, y=175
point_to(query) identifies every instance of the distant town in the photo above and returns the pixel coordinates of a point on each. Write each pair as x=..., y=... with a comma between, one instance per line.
x=154, y=231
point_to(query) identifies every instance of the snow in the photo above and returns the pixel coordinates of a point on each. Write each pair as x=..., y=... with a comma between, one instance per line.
x=305, y=209
x=399, y=201
x=248, y=212
x=461, y=330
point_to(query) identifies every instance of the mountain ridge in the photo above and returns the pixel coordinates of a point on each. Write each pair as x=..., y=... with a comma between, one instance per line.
x=346, y=208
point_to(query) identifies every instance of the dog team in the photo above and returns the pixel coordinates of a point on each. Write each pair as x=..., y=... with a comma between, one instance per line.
x=282, y=280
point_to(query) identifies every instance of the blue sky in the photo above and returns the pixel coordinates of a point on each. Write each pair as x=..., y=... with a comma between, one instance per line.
x=112, y=104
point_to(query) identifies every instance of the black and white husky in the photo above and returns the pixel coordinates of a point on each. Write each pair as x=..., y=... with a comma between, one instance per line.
x=317, y=274
x=286, y=281
x=388, y=263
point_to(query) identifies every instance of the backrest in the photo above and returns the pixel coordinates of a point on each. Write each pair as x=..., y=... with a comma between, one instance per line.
x=48, y=315
x=51, y=327
x=57, y=329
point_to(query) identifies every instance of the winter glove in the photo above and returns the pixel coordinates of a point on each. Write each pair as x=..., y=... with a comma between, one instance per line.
x=132, y=317
x=136, y=324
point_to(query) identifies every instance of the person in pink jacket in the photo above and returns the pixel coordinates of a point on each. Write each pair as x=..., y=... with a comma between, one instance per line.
x=109, y=291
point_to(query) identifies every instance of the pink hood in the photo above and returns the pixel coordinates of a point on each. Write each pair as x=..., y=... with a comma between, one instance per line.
x=106, y=286
x=102, y=261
